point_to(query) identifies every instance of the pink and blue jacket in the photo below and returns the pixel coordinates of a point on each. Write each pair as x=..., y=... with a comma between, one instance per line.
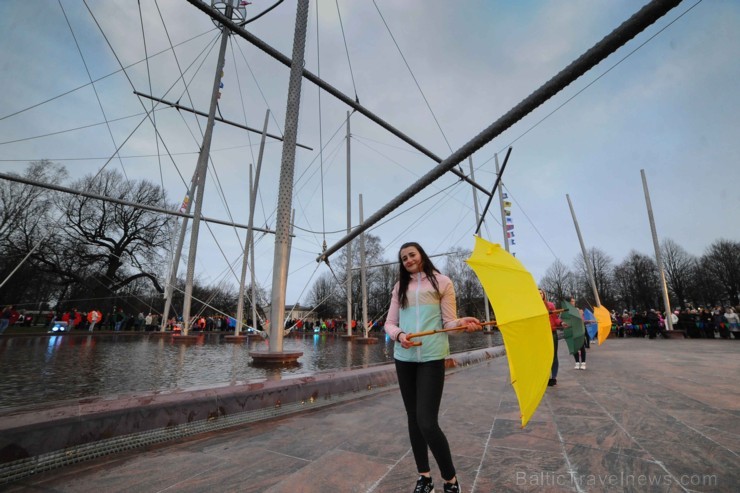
x=427, y=310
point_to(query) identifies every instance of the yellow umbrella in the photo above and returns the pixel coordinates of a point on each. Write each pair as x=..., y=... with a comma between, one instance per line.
x=522, y=319
x=604, y=320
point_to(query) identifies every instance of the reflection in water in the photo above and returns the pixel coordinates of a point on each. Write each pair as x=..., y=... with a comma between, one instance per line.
x=37, y=370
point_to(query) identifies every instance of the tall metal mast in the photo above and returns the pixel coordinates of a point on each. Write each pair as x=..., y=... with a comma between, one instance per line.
x=285, y=198
x=176, y=258
x=201, y=171
x=363, y=275
x=349, y=243
x=250, y=233
x=589, y=267
x=658, y=258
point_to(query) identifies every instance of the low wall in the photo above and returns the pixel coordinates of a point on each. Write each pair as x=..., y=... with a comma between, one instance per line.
x=31, y=431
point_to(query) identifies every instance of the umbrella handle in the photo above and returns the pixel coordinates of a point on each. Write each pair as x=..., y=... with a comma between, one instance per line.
x=437, y=331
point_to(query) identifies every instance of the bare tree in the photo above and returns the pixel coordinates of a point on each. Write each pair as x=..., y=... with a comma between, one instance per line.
x=24, y=213
x=678, y=266
x=381, y=290
x=468, y=290
x=637, y=283
x=603, y=271
x=322, y=296
x=106, y=246
x=558, y=281
x=373, y=256
x=722, y=262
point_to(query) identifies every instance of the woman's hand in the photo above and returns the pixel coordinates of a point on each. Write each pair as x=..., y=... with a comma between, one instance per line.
x=405, y=343
x=471, y=324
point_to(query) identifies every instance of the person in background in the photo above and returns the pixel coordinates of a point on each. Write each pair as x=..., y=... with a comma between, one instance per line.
x=421, y=300
x=580, y=354
x=707, y=323
x=555, y=324
x=5, y=317
x=733, y=321
x=93, y=317
x=718, y=318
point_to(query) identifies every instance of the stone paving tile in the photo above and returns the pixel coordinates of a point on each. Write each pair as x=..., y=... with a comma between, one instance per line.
x=647, y=416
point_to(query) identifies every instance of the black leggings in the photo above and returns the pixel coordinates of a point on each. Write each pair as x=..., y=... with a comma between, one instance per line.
x=421, y=387
x=580, y=355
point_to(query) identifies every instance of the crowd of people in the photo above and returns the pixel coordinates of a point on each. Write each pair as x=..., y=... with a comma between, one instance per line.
x=702, y=322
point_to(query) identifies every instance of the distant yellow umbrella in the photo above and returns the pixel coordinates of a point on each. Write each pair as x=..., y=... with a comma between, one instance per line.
x=604, y=320
x=521, y=317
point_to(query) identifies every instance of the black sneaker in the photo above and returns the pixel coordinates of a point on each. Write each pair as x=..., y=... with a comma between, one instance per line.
x=552, y=382
x=452, y=488
x=424, y=485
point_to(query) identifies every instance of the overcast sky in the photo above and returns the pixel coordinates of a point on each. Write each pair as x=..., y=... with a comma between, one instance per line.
x=667, y=102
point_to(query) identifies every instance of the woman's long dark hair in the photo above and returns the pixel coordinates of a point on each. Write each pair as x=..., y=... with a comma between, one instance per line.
x=404, y=276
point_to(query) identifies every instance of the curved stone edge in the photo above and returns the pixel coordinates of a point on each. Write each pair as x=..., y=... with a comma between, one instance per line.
x=35, y=430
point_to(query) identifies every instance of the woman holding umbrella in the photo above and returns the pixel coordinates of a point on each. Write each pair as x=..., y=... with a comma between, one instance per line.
x=423, y=299
x=555, y=324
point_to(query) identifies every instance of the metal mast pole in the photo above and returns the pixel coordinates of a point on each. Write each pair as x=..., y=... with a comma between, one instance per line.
x=658, y=257
x=589, y=267
x=201, y=169
x=477, y=218
x=501, y=206
x=363, y=275
x=609, y=44
x=349, y=229
x=176, y=258
x=250, y=232
x=245, y=261
x=282, y=227
x=254, y=285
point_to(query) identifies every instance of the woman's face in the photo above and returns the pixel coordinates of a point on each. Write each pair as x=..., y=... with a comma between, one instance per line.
x=411, y=259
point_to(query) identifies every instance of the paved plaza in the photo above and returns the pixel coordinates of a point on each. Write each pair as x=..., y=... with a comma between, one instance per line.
x=648, y=415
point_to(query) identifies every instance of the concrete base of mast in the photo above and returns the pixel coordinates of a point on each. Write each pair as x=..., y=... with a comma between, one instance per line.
x=275, y=358
x=184, y=338
x=239, y=338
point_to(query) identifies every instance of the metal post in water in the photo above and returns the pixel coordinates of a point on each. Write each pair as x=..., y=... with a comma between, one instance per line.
x=363, y=275
x=245, y=262
x=250, y=232
x=176, y=258
x=282, y=227
x=589, y=268
x=349, y=243
x=201, y=169
x=658, y=257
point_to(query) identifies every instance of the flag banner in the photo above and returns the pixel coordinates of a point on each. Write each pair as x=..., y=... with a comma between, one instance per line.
x=509, y=227
x=509, y=219
x=508, y=213
x=506, y=195
x=507, y=203
x=512, y=242
x=185, y=203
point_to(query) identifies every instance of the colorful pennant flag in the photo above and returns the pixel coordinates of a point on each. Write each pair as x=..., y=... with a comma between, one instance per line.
x=185, y=203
